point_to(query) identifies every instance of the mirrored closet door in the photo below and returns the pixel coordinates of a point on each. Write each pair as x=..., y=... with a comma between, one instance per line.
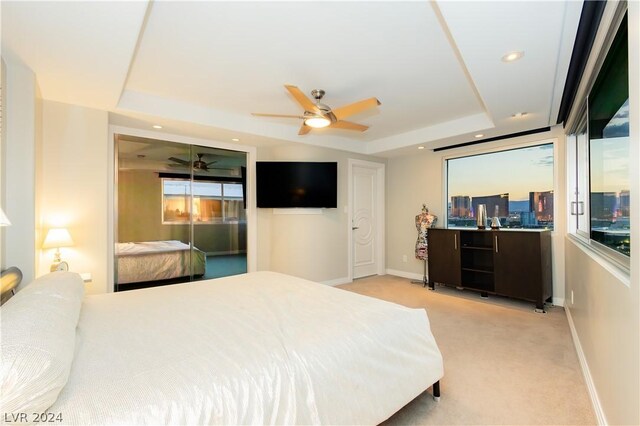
x=180, y=213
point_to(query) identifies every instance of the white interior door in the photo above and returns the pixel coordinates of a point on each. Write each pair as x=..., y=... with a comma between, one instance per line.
x=364, y=220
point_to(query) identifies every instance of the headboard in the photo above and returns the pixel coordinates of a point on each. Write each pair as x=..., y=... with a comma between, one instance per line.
x=9, y=279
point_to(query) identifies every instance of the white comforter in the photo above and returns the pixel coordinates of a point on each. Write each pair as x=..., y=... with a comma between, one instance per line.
x=146, y=247
x=157, y=260
x=258, y=348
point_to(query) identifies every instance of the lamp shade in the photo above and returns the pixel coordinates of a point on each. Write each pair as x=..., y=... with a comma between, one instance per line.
x=4, y=220
x=57, y=237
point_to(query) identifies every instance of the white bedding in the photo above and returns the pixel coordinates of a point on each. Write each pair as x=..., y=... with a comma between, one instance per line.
x=157, y=260
x=257, y=348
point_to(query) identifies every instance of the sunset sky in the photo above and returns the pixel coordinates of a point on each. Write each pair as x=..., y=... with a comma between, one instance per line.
x=516, y=171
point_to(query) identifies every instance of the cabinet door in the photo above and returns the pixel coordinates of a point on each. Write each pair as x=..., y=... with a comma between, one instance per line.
x=444, y=256
x=517, y=268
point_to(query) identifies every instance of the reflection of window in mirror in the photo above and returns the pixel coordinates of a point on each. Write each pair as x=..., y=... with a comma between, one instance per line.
x=213, y=202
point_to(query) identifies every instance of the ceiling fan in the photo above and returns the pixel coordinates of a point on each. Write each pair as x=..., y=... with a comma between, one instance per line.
x=318, y=115
x=198, y=164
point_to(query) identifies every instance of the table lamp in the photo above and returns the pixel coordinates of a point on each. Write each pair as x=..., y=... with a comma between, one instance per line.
x=56, y=238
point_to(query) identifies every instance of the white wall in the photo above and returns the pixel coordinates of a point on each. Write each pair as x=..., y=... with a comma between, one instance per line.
x=314, y=247
x=18, y=166
x=417, y=179
x=73, y=189
x=606, y=308
x=2, y=156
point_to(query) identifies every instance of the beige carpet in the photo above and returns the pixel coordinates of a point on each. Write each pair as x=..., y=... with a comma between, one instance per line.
x=504, y=364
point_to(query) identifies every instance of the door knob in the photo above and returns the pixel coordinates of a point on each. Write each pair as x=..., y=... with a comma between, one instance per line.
x=353, y=228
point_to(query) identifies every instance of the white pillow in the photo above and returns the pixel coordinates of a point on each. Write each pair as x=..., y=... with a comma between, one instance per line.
x=38, y=342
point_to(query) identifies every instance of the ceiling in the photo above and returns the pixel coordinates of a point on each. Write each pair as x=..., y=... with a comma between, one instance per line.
x=137, y=153
x=435, y=66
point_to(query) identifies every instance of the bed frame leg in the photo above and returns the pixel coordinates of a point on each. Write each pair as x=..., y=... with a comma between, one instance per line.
x=436, y=391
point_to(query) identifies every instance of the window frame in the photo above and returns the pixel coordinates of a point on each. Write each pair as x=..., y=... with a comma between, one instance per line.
x=573, y=183
x=579, y=121
x=216, y=220
x=495, y=149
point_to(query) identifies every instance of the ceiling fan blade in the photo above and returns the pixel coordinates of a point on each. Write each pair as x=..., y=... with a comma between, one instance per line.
x=355, y=108
x=179, y=161
x=304, y=129
x=276, y=115
x=347, y=125
x=212, y=162
x=305, y=102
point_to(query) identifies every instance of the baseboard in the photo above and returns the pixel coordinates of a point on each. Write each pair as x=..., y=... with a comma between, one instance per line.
x=557, y=301
x=591, y=387
x=337, y=281
x=225, y=253
x=403, y=274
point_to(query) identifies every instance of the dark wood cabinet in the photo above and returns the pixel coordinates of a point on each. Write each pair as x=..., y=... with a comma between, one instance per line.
x=444, y=262
x=512, y=263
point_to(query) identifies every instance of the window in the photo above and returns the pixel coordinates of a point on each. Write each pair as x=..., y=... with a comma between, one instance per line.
x=516, y=185
x=213, y=202
x=601, y=204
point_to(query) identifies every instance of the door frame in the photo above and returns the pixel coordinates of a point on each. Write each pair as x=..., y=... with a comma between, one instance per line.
x=380, y=210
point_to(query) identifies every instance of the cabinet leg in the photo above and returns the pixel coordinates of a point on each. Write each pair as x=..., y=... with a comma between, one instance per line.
x=436, y=391
x=540, y=308
x=484, y=295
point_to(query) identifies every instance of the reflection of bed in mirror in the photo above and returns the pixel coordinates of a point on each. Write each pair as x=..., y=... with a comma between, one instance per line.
x=157, y=261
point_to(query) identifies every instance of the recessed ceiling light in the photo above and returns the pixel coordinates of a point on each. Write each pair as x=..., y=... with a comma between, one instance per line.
x=479, y=135
x=421, y=147
x=512, y=56
x=235, y=140
x=519, y=114
x=156, y=126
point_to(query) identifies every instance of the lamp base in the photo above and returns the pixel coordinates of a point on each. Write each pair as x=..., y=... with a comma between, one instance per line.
x=59, y=266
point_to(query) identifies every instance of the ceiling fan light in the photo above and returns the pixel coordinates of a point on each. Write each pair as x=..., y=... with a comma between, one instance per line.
x=317, y=122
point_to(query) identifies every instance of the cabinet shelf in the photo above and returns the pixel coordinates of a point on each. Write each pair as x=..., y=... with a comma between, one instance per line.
x=479, y=286
x=483, y=271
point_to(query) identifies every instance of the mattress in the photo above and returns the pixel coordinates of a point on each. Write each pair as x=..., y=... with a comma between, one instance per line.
x=157, y=260
x=257, y=348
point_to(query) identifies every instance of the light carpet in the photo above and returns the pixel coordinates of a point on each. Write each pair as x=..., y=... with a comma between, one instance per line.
x=504, y=363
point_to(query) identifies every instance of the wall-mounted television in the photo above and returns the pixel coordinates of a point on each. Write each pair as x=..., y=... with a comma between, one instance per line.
x=285, y=184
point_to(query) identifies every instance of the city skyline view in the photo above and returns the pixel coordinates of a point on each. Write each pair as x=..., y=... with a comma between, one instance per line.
x=516, y=172
x=517, y=185
x=611, y=172
x=514, y=185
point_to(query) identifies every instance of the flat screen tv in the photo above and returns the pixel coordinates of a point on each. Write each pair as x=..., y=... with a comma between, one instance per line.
x=284, y=184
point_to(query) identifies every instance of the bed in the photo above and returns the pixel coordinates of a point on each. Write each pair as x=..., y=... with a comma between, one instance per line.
x=157, y=260
x=257, y=348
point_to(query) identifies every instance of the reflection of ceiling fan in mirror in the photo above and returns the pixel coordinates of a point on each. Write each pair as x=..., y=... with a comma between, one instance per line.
x=198, y=164
x=317, y=115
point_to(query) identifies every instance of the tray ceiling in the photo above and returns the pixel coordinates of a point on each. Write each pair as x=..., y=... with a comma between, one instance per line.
x=436, y=67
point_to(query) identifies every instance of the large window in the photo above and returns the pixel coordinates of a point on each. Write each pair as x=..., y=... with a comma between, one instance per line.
x=213, y=202
x=601, y=203
x=515, y=185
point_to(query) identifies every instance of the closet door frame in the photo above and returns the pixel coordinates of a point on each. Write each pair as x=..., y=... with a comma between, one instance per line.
x=251, y=212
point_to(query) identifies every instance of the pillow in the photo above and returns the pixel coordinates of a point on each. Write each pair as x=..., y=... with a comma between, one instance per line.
x=38, y=342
